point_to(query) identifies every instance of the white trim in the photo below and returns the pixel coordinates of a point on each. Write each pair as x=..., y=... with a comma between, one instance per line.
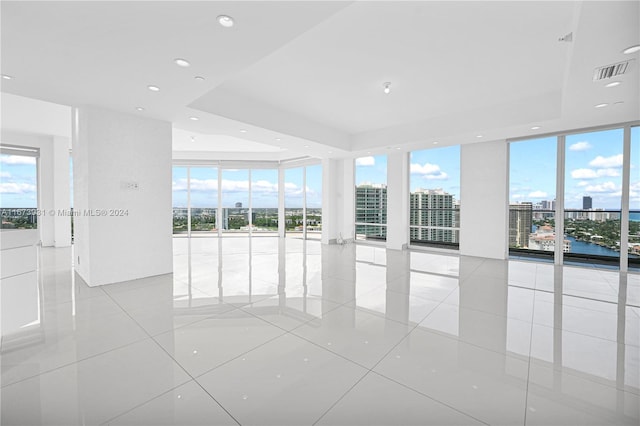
x=22, y=151
x=559, y=213
x=624, y=207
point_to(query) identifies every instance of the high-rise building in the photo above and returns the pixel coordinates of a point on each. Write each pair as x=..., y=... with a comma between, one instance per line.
x=430, y=211
x=520, y=221
x=587, y=203
x=548, y=204
x=371, y=208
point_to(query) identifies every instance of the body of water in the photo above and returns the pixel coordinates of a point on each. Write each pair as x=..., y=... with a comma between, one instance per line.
x=590, y=248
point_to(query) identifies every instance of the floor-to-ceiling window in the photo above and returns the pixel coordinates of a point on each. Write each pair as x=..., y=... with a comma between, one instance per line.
x=180, y=200
x=264, y=201
x=634, y=200
x=371, y=197
x=19, y=188
x=592, y=197
x=532, y=196
x=303, y=201
x=235, y=201
x=294, y=201
x=313, y=199
x=434, y=198
x=203, y=187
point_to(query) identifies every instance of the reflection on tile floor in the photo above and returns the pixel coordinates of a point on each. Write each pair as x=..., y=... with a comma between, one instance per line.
x=282, y=331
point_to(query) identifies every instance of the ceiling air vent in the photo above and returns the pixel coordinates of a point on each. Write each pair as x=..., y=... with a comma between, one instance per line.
x=610, y=71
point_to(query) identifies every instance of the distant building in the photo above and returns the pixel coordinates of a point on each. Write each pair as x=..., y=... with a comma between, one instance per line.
x=371, y=207
x=238, y=205
x=431, y=212
x=520, y=221
x=587, y=203
x=548, y=204
x=545, y=239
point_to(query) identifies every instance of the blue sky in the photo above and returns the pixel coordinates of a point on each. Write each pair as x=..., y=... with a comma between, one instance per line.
x=18, y=184
x=593, y=167
x=437, y=168
x=235, y=187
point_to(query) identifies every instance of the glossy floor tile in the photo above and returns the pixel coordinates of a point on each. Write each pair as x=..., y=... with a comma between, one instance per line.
x=283, y=331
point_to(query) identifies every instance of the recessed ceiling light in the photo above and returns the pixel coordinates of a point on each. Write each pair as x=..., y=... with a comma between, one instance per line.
x=398, y=147
x=306, y=146
x=181, y=62
x=435, y=143
x=535, y=127
x=243, y=131
x=139, y=108
x=631, y=49
x=193, y=138
x=613, y=84
x=199, y=78
x=278, y=139
x=6, y=77
x=330, y=152
x=478, y=136
x=387, y=87
x=601, y=105
x=194, y=118
x=153, y=88
x=226, y=21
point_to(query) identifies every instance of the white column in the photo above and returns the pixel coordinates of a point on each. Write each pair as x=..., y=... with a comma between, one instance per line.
x=397, y=200
x=337, y=200
x=122, y=167
x=281, y=216
x=484, y=199
x=61, y=192
x=46, y=193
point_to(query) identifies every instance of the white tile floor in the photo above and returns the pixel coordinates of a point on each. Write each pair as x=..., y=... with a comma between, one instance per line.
x=277, y=332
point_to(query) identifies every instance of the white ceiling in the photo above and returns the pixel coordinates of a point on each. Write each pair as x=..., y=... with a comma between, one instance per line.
x=311, y=73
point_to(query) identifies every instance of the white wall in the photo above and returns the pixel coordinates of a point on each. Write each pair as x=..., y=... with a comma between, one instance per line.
x=397, y=200
x=111, y=152
x=33, y=116
x=53, y=184
x=337, y=200
x=484, y=172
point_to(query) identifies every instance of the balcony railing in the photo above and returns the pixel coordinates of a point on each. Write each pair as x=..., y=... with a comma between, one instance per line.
x=435, y=227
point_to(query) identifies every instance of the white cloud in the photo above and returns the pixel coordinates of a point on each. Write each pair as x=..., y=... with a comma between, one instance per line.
x=428, y=171
x=16, y=188
x=517, y=196
x=601, y=188
x=583, y=183
x=580, y=146
x=608, y=172
x=538, y=194
x=592, y=174
x=365, y=161
x=5, y=175
x=584, y=174
x=17, y=159
x=264, y=186
x=607, y=162
x=211, y=185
